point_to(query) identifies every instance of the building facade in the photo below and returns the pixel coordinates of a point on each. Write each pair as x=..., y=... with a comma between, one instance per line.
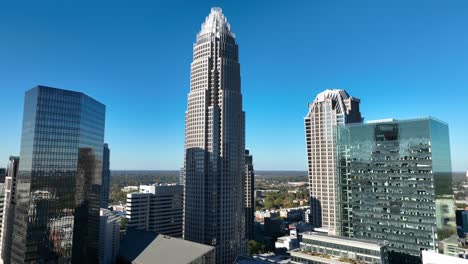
x=59, y=178
x=157, y=208
x=330, y=107
x=249, y=195
x=214, y=143
x=109, y=236
x=105, y=176
x=8, y=209
x=318, y=248
x=395, y=183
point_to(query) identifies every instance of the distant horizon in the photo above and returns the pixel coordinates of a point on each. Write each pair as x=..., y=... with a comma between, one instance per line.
x=402, y=59
x=255, y=170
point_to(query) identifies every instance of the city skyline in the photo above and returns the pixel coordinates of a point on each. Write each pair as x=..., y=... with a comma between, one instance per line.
x=428, y=79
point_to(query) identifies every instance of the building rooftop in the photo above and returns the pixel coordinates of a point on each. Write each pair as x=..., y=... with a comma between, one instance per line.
x=134, y=242
x=166, y=249
x=241, y=259
x=344, y=240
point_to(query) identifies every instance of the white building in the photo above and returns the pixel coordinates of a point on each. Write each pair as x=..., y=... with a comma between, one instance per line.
x=330, y=107
x=431, y=257
x=322, y=248
x=157, y=208
x=286, y=243
x=8, y=209
x=130, y=189
x=109, y=236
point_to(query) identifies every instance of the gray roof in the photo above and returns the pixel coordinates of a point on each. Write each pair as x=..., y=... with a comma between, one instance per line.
x=166, y=249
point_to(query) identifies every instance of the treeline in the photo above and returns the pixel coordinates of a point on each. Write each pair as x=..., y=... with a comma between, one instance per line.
x=282, y=199
x=120, y=179
x=128, y=178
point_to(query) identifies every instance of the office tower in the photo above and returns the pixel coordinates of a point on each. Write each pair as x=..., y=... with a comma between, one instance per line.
x=59, y=178
x=395, y=183
x=109, y=236
x=214, y=143
x=330, y=107
x=105, y=176
x=9, y=209
x=157, y=208
x=249, y=195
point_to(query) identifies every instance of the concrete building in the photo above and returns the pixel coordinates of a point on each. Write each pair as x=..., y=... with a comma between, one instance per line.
x=9, y=209
x=395, y=183
x=157, y=208
x=325, y=249
x=249, y=196
x=105, y=176
x=109, y=236
x=59, y=178
x=330, y=107
x=214, y=207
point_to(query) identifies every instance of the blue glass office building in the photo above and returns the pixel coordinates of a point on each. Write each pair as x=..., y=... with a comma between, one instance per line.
x=395, y=183
x=105, y=177
x=59, y=178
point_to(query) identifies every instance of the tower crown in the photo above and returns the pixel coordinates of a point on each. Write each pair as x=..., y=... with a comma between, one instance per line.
x=216, y=23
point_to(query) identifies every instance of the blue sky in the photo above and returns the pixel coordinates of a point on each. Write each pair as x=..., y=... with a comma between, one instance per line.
x=401, y=58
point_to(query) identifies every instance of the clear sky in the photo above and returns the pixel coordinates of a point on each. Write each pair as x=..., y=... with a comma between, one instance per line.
x=401, y=58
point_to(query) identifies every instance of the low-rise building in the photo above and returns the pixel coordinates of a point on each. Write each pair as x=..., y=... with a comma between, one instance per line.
x=319, y=248
x=455, y=247
x=130, y=189
x=261, y=215
x=432, y=257
x=273, y=258
x=286, y=243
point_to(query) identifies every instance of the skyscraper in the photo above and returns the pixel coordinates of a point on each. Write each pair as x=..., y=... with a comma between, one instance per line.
x=395, y=183
x=214, y=143
x=59, y=178
x=9, y=209
x=105, y=176
x=249, y=195
x=330, y=107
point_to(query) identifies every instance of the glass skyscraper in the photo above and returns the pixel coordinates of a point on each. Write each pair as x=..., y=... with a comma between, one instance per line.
x=105, y=177
x=395, y=183
x=214, y=173
x=59, y=178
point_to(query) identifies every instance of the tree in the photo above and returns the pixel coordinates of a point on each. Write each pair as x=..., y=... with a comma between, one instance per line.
x=256, y=247
x=123, y=223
